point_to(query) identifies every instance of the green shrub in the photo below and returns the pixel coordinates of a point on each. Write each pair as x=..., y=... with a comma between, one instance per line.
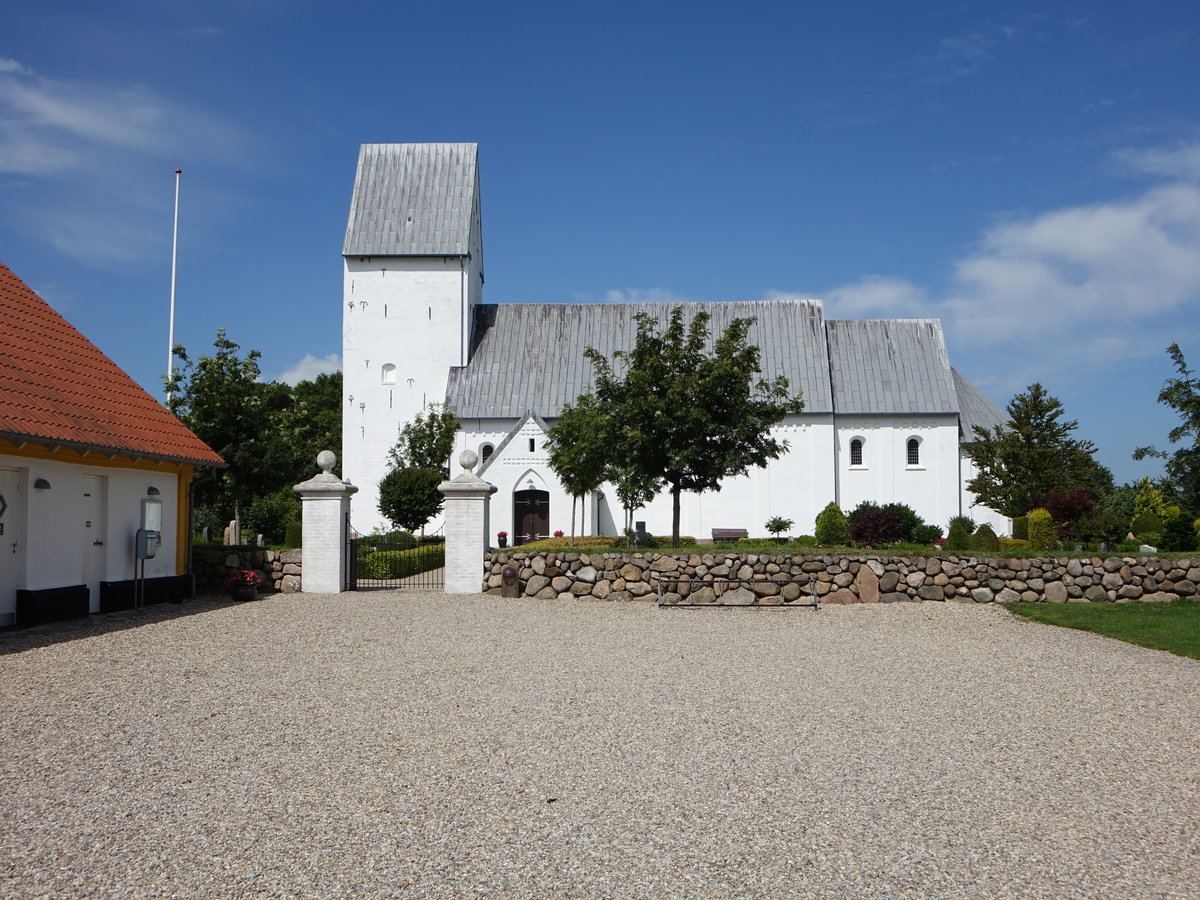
x=807, y=540
x=1146, y=523
x=1101, y=527
x=293, y=535
x=958, y=540
x=1013, y=544
x=1129, y=546
x=401, y=563
x=1021, y=528
x=270, y=515
x=832, y=528
x=1179, y=536
x=926, y=534
x=967, y=522
x=1042, y=532
x=984, y=540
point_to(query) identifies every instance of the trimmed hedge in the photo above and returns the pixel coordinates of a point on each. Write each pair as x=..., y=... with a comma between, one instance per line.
x=401, y=563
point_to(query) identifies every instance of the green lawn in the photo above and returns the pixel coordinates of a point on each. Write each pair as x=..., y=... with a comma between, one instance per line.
x=1174, y=627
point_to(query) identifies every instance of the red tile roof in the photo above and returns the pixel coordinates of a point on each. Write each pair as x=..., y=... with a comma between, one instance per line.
x=56, y=387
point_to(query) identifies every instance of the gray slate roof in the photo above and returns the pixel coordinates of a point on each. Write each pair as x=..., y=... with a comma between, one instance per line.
x=975, y=409
x=890, y=366
x=530, y=355
x=413, y=200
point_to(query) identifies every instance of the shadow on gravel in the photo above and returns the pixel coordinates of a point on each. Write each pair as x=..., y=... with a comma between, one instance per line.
x=18, y=640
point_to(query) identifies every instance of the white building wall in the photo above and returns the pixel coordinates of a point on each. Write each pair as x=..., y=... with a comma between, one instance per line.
x=53, y=536
x=410, y=313
x=931, y=487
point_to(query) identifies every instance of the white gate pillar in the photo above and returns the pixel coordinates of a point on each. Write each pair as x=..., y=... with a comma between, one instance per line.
x=468, y=498
x=325, y=509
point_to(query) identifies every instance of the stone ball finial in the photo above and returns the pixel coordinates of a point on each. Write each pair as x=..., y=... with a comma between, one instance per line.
x=468, y=459
x=326, y=461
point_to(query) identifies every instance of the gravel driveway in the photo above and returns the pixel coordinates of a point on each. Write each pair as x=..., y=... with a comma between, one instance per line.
x=416, y=745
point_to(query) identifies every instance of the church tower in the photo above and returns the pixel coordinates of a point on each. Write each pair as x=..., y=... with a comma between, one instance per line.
x=413, y=274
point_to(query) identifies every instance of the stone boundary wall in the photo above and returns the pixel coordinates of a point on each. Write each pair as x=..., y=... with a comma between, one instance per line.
x=848, y=578
x=280, y=569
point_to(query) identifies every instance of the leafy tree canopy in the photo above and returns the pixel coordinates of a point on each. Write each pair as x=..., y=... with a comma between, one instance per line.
x=1021, y=463
x=409, y=496
x=268, y=433
x=427, y=441
x=1181, y=394
x=677, y=414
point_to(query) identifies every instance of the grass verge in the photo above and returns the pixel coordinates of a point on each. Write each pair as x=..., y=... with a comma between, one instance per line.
x=1174, y=626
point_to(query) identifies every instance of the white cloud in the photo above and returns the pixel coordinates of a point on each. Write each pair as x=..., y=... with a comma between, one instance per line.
x=956, y=57
x=872, y=296
x=85, y=149
x=309, y=367
x=641, y=295
x=1075, y=288
x=1181, y=161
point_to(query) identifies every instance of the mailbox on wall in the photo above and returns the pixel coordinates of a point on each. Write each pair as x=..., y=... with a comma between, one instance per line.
x=150, y=534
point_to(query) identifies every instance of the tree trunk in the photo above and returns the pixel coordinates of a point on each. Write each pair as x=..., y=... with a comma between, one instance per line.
x=573, y=501
x=675, y=516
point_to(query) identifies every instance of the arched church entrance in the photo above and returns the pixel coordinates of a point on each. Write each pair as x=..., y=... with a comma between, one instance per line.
x=531, y=516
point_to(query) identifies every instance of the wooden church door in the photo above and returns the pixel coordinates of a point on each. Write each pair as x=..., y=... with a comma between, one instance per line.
x=531, y=516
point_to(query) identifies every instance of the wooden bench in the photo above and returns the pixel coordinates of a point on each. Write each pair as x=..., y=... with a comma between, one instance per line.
x=728, y=535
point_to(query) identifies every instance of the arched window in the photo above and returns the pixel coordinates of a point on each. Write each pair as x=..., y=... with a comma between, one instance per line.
x=856, y=446
x=389, y=373
x=914, y=452
x=485, y=452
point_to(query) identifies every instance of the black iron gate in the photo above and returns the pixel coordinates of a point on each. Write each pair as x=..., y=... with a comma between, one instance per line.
x=397, y=561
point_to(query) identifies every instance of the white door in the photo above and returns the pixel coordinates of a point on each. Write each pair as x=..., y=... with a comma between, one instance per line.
x=11, y=549
x=94, y=552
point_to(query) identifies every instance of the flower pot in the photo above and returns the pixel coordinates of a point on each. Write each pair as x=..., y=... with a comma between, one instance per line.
x=502, y=541
x=243, y=592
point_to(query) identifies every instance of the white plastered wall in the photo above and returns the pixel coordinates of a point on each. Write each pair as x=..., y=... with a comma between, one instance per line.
x=412, y=313
x=1001, y=524
x=51, y=530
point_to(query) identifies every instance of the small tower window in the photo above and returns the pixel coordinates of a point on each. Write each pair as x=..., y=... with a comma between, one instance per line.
x=531, y=445
x=856, y=452
x=389, y=373
x=485, y=452
x=914, y=452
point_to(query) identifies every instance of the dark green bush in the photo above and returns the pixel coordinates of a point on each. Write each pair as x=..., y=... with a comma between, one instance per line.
x=293, y=535
x=967, y=523
x=1021, y=528
x=1145, y=524
x=805, y=540
x=984, y=540
x=1179, y=536
x=1101, y=527
x=832, y=529
x=958, y=540
x=926, y=534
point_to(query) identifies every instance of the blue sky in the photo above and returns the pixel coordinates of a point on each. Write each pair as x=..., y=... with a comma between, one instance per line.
x=1029, y=173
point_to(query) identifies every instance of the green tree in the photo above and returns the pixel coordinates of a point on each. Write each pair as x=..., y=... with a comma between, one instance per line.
x=678, y=414
x=409, y=496
x=578, y=455
x=1181, y=394
x=777, y=525
x=427, y=441
x=221, y=399
x=832, y=529
x=1020, y=463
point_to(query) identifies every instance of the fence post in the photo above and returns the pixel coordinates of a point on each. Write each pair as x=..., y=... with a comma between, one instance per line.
x=468, y=498
x=325, y=508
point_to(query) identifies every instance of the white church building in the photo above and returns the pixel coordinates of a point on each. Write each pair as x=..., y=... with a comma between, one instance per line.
x=885, y=415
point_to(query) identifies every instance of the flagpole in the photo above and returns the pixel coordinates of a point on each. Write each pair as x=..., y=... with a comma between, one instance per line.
x=171, y=329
